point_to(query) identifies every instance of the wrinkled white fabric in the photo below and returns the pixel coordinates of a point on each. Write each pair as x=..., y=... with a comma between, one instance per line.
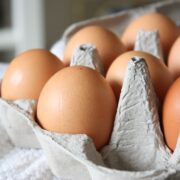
x=22, y=164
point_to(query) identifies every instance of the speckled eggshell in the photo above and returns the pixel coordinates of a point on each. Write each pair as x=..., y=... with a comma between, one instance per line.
x=152, y=21
x=108, y=44
x=161, y=77
x=78, y=100
x=27, y=74
x=171, y=115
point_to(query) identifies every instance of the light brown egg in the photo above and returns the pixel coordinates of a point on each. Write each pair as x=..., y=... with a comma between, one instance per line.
x=174, y=59
x=171, y=115
x=78, y=100
x=152, y=21
x=108, y=44
x=160, y=75
x=27, y=74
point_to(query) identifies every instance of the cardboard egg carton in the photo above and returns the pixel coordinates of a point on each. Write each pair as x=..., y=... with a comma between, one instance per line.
x=136, y=149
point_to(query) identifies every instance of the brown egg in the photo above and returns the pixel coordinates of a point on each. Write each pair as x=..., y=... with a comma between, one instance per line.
x=152, y=21
x=78, y=100
x=108, y=44
x=171, y=115
x=174, y=59
x=27, y=74
x=161, y=77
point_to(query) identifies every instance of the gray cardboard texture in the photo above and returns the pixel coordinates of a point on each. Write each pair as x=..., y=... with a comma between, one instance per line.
x=137, y=117
x=87, y=55
x=16, y=122
x=149, y=41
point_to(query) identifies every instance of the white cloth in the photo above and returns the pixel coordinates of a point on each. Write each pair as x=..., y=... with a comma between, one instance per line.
x=20, y=163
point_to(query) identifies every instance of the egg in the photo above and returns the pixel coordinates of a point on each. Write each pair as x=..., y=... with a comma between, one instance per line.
x=171, y=115
x=27, y=74
x=108, y=44
x=174, y=59
x=152, y=21
x=160, y=75
x=78, y=100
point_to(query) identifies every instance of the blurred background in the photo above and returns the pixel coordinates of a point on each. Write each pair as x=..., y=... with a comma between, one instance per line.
x=26, y=24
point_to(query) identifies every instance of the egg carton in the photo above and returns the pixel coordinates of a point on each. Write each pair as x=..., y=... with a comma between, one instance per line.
x=136, y=149
x=136, y=117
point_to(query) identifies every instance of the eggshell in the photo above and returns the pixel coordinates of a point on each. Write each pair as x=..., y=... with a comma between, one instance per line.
x=171, y=115
x=174, y=59
x=161, y=77
x=152, y=21
x=78, y=100
x=27, y=74
x=108, y=44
